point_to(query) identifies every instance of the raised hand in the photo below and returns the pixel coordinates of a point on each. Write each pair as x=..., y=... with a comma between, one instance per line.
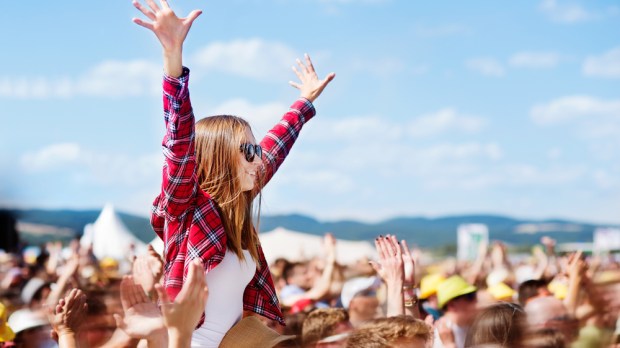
x=142, y=318
x=182, y=315
x=391, y=269
x=170, y=30
x=310, y=87
x=148, y=269
x=67, y=316
x=408, y=263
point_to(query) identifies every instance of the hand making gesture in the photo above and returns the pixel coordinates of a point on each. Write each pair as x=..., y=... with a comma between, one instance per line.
x=170, y=30
x=310, y=87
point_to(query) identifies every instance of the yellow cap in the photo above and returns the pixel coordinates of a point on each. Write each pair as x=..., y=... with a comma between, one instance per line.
x=451, y=288
x=108, y=262
x=501, y=291
x=558, y=289
x=6, y=334
x=429, y=283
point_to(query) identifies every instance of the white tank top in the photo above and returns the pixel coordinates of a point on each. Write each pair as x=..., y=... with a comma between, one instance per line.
x=224, y=307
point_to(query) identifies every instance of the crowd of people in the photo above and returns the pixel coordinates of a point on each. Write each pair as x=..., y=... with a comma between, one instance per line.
x=212, y=286
x=63, y=296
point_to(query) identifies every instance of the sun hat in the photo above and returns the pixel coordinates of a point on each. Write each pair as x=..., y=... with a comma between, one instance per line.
x=356, y=286
x=31, y=288
x=428, y=285
x=451, y=288
x=25, y=319
x=6, y=334
x=250, y=332
x=501, y=291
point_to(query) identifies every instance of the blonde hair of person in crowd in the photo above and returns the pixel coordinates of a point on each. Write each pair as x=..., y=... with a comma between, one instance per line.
x=212, y=173
x=393, y=332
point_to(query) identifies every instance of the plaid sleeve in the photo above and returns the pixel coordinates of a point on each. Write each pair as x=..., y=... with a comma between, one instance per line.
x=280, y=139
x=179, y=183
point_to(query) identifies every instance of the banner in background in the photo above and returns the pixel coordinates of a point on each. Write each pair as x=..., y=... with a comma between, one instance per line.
x=606, y=239
x=469, y=237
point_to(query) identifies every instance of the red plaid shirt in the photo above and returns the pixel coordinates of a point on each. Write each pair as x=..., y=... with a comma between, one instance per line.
x=186, y=218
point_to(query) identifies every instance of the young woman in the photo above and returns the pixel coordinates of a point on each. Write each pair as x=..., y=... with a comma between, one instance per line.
x=213, y=170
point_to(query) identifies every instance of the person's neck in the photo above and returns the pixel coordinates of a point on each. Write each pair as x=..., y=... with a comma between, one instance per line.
x=457, y=319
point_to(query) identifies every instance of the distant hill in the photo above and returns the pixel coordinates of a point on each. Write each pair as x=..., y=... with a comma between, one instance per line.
x=424, y=232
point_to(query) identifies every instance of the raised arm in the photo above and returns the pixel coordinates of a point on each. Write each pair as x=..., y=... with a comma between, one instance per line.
x=280, y=139
x=179, y=178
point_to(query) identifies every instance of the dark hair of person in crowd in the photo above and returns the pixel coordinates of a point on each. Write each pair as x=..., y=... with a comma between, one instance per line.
x=544, y=338
x=532, y=288
x=9, y=237
x=502, y=324
x=294, y=323
x=389, y=332
x=322, y=323
x=289, y=268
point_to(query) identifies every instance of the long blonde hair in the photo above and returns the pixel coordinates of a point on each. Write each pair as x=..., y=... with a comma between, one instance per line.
x=218, y=139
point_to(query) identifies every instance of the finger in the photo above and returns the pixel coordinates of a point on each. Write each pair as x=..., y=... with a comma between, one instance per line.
x=379, y=247
x=294, y=84
x=144, y=10
x=153, y=5
x=162, y=294
x=125, y=303
x=192, y=16
x=309, y=64
x=299, y=75
x=406, y=251
x=302, y=66
x=329, y=78
x=395, y=245
x=144, y=24
x=164, y=4
x=389, y=247
x=120, y=323
x=375, y=266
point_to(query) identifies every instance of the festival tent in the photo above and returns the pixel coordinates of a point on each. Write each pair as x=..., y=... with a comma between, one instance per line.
x=298, y=246
x=110, y=237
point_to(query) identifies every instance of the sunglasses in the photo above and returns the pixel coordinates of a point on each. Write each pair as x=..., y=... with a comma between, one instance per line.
x=250, y=151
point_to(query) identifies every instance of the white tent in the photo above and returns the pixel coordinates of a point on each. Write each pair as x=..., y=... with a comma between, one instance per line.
x=298, y=246
x=110, y=237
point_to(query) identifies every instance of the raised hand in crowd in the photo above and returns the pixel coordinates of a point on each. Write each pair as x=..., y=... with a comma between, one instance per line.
x=181, y=316
x=68, y=275
x=66, y=317
x=410, y=298
x=141, y=318
x=170, y=30
x=391, y=269
x=147, y=270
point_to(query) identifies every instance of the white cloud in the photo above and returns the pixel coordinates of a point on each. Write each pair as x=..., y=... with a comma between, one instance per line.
x=565, y=13
x=486, y=66
x=88, y=166
x=262, y=117
x=253, y=58
x=52, y=156
x=107, y=79
x=606, y=65
x=445, y=120
x=534, y=59
x=576, y=107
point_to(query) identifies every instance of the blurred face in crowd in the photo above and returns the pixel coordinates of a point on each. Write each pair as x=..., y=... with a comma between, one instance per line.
x=97, y=329
x=549, y=312
x=35, y=337
x=300, y=276
x=364, y=306
x=463, y=309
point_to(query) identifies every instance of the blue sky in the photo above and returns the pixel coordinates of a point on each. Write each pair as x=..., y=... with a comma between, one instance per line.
x=438, y=108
